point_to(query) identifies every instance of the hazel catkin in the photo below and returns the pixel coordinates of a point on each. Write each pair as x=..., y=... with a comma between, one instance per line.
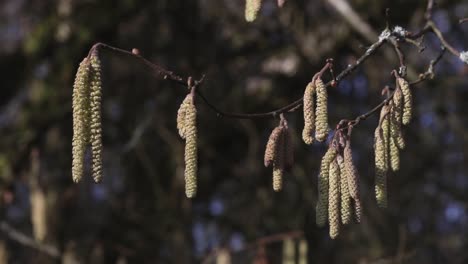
x=381, y=158
x=80, y=124
x=322, y=203
x=309, y=114
x=95, y=118
x=352, y=177
x=252, y=7
x=321, y=111
x=191, y=154
x=345, y=201
x=334, y=199
x=407, y=100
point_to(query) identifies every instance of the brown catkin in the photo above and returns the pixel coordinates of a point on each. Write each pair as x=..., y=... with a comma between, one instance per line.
x=191, y=155
x=252, y=7
x=334, y=199
x=272, y=146
x=322, y=203
x=381, y=159
x=321, y=111
x=352, y=177
x=407, y=100
x=95, y=115
x=346, y=209
x=309, y=114
x=80, y=124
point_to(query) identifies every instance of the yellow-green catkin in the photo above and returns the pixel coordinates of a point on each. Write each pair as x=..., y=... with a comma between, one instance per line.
x=346, y=209
x=352, y=177
x=396, y=118
x=309, y=114
x=95, y=117
x=191, y=154
x=322, y=111
x=181, y=116
x=289, y=251
x=394, y=154
x=407, y=100
x=322, y=203
x=80, y=124
x=334, y=199
x=252, y=7
x=303, y=248
x=381, y=159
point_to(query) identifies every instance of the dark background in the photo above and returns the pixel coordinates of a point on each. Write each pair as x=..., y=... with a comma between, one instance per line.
x=140, y=214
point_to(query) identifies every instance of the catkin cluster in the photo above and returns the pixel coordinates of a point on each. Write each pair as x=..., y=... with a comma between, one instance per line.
x=279, y=153
x=87, y=94
x=187, y=127
x=315, y=120
x=338, y=189
x=388, y=137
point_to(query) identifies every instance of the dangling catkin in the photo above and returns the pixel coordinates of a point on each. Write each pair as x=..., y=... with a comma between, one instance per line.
x=80, y=124
x=252, y=7
x=394, y=155
x=309, y=114
x=272, y=146
x=321, y=111
x=346, y=209
x=191, y=165
x=181, y=116
x=278, y=166
x=407, y=100
x=322, y=203
x=95, y=122
x=352, y=177
x=381, y=158
x=334, y=199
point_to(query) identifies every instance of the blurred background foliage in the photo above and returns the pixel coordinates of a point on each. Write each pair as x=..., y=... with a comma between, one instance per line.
x=140, y=213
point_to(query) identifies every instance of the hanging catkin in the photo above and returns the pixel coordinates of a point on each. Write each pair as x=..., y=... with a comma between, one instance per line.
x=352, y=177
x=334, y=199
x=309, y=114
x=80, y=123
x=181, y=113
x=381, y=158
x=252, y=7
x=407, y=100
x=321, y=111
x=322, y=203
x=278, y=164
x=95, y=115
x=191, y=165
x=394, y=154
x=276, y=153
x=272, y=146
x=346, y=209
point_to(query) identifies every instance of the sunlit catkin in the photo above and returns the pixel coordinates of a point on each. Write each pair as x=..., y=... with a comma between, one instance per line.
x=191, y=165
x=346, y=209
x=95, y=114
x=80, y=124
x=322, y=111
x=181, y=116
x=352, y=177
x=407, y=100
x=381, y=160
x=309, y=114
x=272, y=146
x=252, y=7
x=394, y=154
x=334, y=199
x=279, y=163
x=322, y=203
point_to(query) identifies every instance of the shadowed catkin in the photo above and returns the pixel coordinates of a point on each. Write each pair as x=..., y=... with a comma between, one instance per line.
x=321, y=111
x=352, y=177
x=346, y=209
x=271, y=147
x=407, y=100
x=322, y=203
x=80, y=123
x=381, y=159
x=309, y=114
x=95, y=113
x=190, y=132
x=252, y=7
x=334, y=199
